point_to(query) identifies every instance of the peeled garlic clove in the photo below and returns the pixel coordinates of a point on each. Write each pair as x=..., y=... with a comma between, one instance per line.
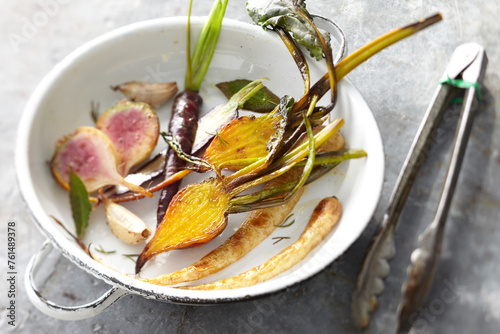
x=124, y=224
x=152, y=93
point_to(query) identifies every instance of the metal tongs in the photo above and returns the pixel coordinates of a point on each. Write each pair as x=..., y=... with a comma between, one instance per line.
x=464, y=71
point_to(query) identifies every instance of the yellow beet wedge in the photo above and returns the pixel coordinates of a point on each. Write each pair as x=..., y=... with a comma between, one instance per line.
x=243, y=139
x=196, y=215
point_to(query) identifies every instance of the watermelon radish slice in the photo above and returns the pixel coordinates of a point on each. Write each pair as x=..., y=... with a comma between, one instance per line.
x=133, y=128
x=91, y=155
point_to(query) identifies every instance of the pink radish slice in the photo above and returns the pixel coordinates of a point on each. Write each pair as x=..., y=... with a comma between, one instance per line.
x=92, y=156
x=133, y=128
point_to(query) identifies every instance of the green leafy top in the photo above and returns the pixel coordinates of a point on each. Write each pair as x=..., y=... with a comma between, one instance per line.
x=199, y=61
x=291, y=16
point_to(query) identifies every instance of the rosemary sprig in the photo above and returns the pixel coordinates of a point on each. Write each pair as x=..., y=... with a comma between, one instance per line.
x=131, y=256
x=103, y=251
x=222, y=141
x=283, y=223
x=278, y=239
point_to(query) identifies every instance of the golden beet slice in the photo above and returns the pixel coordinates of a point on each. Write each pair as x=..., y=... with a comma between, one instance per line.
x=243, y=138
x=196, y=215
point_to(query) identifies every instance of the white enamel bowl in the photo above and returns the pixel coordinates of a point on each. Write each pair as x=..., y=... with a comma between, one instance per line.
x=155, y=51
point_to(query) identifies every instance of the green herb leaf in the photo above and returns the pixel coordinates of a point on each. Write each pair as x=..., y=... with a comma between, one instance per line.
x=292, y=16
x=278, y=239
x=103, y=251
x=80, y=203
x=263, y=101
x=131, y=256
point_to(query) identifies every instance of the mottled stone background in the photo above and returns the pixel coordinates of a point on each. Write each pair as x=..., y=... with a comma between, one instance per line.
x=397, y=84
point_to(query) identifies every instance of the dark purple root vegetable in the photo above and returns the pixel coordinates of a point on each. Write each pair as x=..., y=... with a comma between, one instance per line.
x=183, y=126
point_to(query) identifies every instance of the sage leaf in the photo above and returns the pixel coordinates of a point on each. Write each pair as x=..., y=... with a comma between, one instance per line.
x=263, y=101
x=80, y=203
x=289, y=15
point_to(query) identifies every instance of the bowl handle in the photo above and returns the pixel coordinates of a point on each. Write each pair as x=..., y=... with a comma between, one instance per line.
x=64, y=312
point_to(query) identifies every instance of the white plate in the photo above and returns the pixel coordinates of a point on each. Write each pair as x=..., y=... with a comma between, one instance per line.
x=155, y=50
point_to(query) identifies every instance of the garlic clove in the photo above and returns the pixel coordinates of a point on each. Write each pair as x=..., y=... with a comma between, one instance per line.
x=152, y=93
x=124, y=224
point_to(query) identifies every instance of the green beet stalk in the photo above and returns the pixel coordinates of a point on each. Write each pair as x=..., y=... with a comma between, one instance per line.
x=323, y=163
x=364, y=53
x=204, y=50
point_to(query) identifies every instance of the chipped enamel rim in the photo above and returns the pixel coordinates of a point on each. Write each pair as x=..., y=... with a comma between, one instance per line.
x=31, y=163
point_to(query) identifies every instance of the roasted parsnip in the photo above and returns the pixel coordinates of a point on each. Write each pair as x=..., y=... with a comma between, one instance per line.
x=324, y=217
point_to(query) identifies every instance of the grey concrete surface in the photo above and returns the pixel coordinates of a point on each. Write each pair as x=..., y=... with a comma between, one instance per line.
x=397, y=84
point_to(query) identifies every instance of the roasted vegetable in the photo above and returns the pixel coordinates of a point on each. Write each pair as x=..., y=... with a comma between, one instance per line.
x=152, y=93
x=133, y=127
x=258, y=225
x=324, y=217
x=211, y=124
x=91, y=155
x=241, y=142
x=124, y=224
x=183, y=124
x=199, y=211
x=196, y=215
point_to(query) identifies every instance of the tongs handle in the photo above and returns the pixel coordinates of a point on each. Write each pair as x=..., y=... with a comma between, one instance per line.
x=375, y=266
x=425, y=258
x=418, y=153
